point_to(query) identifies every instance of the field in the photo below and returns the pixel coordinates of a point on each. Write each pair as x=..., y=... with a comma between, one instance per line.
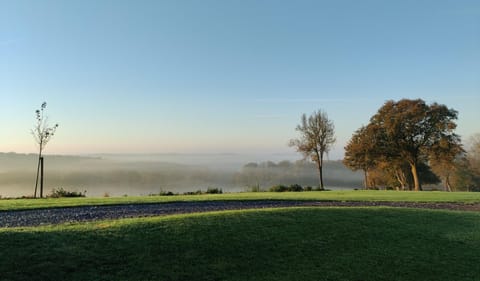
x=302, y=243
x=463, y=197
x=274, y=244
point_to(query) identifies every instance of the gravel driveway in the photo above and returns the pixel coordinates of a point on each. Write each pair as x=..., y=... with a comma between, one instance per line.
x=91, y=213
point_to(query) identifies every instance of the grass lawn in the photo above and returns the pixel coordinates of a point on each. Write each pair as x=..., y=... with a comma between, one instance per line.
x=273, y=244
x=352, y=195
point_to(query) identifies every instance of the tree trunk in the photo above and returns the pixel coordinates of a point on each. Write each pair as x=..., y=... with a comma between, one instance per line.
x=321, y=171
x=448, y=187
x=38, y=167
x=415, y=177
x=320, y=175
x=365, y=178
x=38, y=172
x=41, y=177
x=36, y=180
x=319, y=161
x=400, y=176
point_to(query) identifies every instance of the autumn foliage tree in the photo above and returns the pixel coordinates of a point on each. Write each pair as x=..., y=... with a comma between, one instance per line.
x=317, y=135
x=360, y=152
x=411, y=132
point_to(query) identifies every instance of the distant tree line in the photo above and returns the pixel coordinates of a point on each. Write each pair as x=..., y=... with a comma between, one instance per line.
x=409, y=143
x=263, y=175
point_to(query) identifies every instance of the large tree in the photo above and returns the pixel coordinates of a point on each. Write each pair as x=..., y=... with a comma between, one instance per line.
x=411, y=129
x=317, y=135
x=360, y=152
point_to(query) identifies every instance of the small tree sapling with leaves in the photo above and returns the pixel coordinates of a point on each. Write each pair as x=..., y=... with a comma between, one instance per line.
x=42, y=134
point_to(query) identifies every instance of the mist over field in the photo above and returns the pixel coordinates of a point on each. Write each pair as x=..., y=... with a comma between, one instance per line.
x=143, y=174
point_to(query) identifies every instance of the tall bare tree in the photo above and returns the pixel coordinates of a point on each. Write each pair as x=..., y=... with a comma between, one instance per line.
x=317, y=135
x=42, y=134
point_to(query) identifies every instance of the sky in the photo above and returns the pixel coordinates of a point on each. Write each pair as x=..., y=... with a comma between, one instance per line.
x=226, y=76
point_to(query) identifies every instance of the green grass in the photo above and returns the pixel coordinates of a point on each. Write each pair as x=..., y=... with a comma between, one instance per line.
x=275, y=244
x=463, y=197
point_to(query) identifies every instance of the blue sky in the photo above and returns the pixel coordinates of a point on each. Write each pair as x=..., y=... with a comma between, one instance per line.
x=226, y=76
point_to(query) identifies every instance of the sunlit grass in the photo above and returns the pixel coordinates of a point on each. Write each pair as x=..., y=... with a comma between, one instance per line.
x=351, y=195
x=276, y=244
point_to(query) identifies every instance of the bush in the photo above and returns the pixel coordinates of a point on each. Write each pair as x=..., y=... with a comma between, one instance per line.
x=212, y=190
x=283, y=188
x=198, y=192
x=295, y=188
x=308, y=188
x=60, y=192
x=278, y=188
x=166, y=193
x=162, y=193
x=254, y=188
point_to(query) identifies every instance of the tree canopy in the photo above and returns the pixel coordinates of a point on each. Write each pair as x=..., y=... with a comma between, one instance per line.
x=405, y=131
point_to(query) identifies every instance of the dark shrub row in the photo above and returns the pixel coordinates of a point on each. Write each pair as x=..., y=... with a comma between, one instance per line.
x=291, y=188
x=210, y=190
x=60, y=192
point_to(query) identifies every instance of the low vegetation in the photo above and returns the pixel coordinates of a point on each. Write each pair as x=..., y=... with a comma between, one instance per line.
x=210, y=190
x=347, y=195
x=292, y=188
x=294, y=244
x=61, y=192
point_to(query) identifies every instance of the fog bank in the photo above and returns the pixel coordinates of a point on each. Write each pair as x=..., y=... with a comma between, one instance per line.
x=143, y=174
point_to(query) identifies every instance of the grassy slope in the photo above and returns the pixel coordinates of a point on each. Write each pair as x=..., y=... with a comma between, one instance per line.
x=465, y=197
x=280, y=244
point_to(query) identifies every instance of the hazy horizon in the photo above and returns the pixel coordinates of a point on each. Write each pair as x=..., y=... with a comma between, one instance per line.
x=142, y=174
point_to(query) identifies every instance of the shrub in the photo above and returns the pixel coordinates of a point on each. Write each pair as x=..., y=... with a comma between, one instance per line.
x=278, y=188
x=60, y=192
x=162, y=193
x=283, y=188
x=198, y=192
x=166, y=193
x=254, y=188
x=212, y=190
x=308, y=188
x=295, y=188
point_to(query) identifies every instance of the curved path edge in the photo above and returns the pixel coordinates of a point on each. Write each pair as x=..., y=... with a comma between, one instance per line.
x=36, y=217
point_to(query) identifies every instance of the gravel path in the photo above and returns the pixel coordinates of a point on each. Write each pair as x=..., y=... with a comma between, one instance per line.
x=91, y=213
